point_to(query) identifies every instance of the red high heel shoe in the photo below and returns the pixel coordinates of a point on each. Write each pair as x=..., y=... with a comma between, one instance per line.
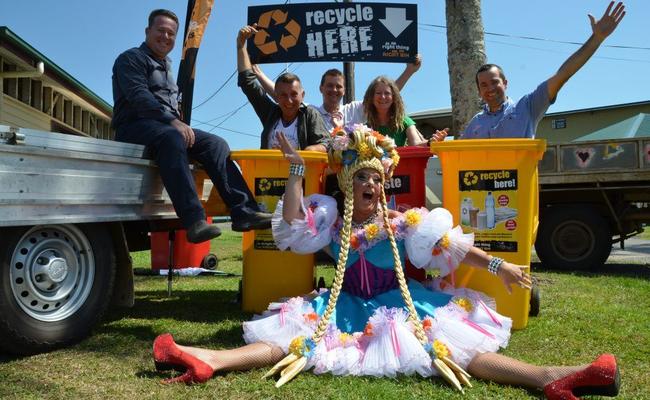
x=168, y=355
x=600, y=378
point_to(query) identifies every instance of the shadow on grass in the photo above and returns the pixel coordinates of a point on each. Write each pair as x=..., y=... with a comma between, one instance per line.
x=616, y=270
x=205, y=306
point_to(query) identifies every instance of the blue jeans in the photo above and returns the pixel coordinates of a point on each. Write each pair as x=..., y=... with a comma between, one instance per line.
x=169, y=151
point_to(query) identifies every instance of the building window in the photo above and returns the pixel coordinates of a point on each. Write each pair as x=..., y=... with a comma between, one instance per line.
x=559, y=123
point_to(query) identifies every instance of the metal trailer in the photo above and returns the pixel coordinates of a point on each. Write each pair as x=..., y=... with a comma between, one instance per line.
x=71, y=210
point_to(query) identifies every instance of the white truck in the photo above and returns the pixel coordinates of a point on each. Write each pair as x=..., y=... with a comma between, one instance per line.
x=71, y=210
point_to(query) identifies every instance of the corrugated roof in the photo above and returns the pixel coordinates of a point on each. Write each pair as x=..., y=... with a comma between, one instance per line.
x=633, y=127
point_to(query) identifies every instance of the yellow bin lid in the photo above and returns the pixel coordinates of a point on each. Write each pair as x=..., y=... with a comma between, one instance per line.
x=536, y=145
x=275, y=155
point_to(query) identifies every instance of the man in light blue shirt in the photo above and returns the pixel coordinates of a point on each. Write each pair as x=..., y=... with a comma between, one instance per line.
x=504, y=118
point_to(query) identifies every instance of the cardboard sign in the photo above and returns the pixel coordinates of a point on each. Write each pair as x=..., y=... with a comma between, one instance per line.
x=385, y=32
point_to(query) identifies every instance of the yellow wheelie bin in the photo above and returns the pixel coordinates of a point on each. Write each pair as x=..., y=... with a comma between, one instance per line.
x=268, y=273
x=490, y=186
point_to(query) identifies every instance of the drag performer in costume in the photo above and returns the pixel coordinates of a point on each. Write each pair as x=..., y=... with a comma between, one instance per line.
x=372, y=321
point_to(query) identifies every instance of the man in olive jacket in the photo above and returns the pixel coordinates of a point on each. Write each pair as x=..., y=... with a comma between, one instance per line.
x=303, y=126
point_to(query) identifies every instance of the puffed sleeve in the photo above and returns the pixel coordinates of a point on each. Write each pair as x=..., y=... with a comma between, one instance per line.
x=436, y=244
x=310, y=234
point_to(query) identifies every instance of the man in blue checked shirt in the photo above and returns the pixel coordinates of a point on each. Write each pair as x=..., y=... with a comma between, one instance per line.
x=502, y=117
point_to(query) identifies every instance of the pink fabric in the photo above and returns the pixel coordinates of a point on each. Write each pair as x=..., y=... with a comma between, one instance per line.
x=489, y=312
x=310, y=221
x=393, y=338
x=283, y=311
x=365, y=280
x=478, y=327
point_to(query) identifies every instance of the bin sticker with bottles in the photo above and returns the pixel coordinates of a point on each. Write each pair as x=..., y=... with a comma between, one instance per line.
x=488, y=207
x=267, y=193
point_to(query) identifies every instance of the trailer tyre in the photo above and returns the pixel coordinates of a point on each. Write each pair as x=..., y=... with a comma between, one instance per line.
x=55, y=284
x=573, y=238
x=535, y=300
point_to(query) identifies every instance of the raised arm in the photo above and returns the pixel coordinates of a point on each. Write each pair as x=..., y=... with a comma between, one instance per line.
x=265, y=81
x=600, y=30
x=409, y=70
x=293, y=190
x=243, y=60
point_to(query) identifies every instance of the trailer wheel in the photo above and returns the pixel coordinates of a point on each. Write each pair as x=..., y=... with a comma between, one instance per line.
x=210, y=261
x=535, y=300
x=573, y=238
x=55, y=284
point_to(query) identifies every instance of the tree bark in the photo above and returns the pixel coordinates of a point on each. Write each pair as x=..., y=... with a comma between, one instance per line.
x=465, y=54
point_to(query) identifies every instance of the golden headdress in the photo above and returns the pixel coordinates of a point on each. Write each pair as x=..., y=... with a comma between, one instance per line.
x=356, y=147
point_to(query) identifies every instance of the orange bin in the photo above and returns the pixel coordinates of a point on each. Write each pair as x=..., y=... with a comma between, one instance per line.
x=186, y=254
x=268, y=273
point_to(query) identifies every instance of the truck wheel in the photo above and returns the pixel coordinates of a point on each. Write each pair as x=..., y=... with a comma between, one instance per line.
x=55, y=284
x=573, y=238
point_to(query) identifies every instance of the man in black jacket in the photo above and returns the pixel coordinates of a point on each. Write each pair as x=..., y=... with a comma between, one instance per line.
x=302, y=125
x=146, y=112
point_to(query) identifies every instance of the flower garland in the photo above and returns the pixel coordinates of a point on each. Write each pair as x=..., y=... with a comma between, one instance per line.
x=362, y=239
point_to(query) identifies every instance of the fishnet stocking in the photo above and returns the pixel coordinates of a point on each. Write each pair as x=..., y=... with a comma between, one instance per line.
x=255, y=355
x=501, y=369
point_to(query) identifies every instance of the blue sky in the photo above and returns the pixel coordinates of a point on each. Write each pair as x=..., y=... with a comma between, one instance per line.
x=84, y=36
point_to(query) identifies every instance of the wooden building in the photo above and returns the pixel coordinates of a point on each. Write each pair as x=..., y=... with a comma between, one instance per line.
x=51, y=100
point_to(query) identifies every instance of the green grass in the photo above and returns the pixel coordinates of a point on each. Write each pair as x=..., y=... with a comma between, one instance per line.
x=582, y=315
x=646, y=234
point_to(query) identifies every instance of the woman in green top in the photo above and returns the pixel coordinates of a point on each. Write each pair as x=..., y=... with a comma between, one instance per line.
x=385, y=112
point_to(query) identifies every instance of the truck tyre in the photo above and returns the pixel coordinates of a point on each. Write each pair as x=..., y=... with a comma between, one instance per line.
x=55, y=284
x=573, y=238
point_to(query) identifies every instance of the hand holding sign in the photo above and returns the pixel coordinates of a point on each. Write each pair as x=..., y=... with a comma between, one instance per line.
x=244, y=33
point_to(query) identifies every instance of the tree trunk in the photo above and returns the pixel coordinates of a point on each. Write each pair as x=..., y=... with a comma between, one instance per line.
x=465, y=54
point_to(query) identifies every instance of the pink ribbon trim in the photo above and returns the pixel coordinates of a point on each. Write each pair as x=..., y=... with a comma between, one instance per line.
x=310, y=221
x=489, y=312
x=283, y=310
x=365, y=279
x=478, y=327
x=393, y=338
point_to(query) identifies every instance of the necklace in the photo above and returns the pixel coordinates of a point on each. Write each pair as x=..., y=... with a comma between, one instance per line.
x=371, y=218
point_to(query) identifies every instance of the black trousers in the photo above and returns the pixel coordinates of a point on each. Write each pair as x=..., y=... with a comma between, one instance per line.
x=169, y=151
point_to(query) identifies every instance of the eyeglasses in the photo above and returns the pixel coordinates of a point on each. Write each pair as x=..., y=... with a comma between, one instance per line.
x=366, y=178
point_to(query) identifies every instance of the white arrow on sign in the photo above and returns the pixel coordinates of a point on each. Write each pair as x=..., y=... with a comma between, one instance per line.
x=395, y=20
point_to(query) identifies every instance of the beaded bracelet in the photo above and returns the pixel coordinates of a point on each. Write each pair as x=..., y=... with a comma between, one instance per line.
x=494, y=264
x=297, y=169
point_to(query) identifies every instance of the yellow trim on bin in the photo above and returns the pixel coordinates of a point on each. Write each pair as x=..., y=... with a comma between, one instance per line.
x=275, y=155
x=489, y=144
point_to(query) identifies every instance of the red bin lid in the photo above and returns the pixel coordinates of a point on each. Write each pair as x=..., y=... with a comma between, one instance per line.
x=414, y=152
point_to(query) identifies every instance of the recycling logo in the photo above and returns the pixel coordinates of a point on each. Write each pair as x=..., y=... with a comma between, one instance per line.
x=262, y=38
x=264, y=185
x=470, y=178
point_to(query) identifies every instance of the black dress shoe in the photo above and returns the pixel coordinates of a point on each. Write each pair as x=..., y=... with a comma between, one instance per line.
x=201, y=231
x=253, y=221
